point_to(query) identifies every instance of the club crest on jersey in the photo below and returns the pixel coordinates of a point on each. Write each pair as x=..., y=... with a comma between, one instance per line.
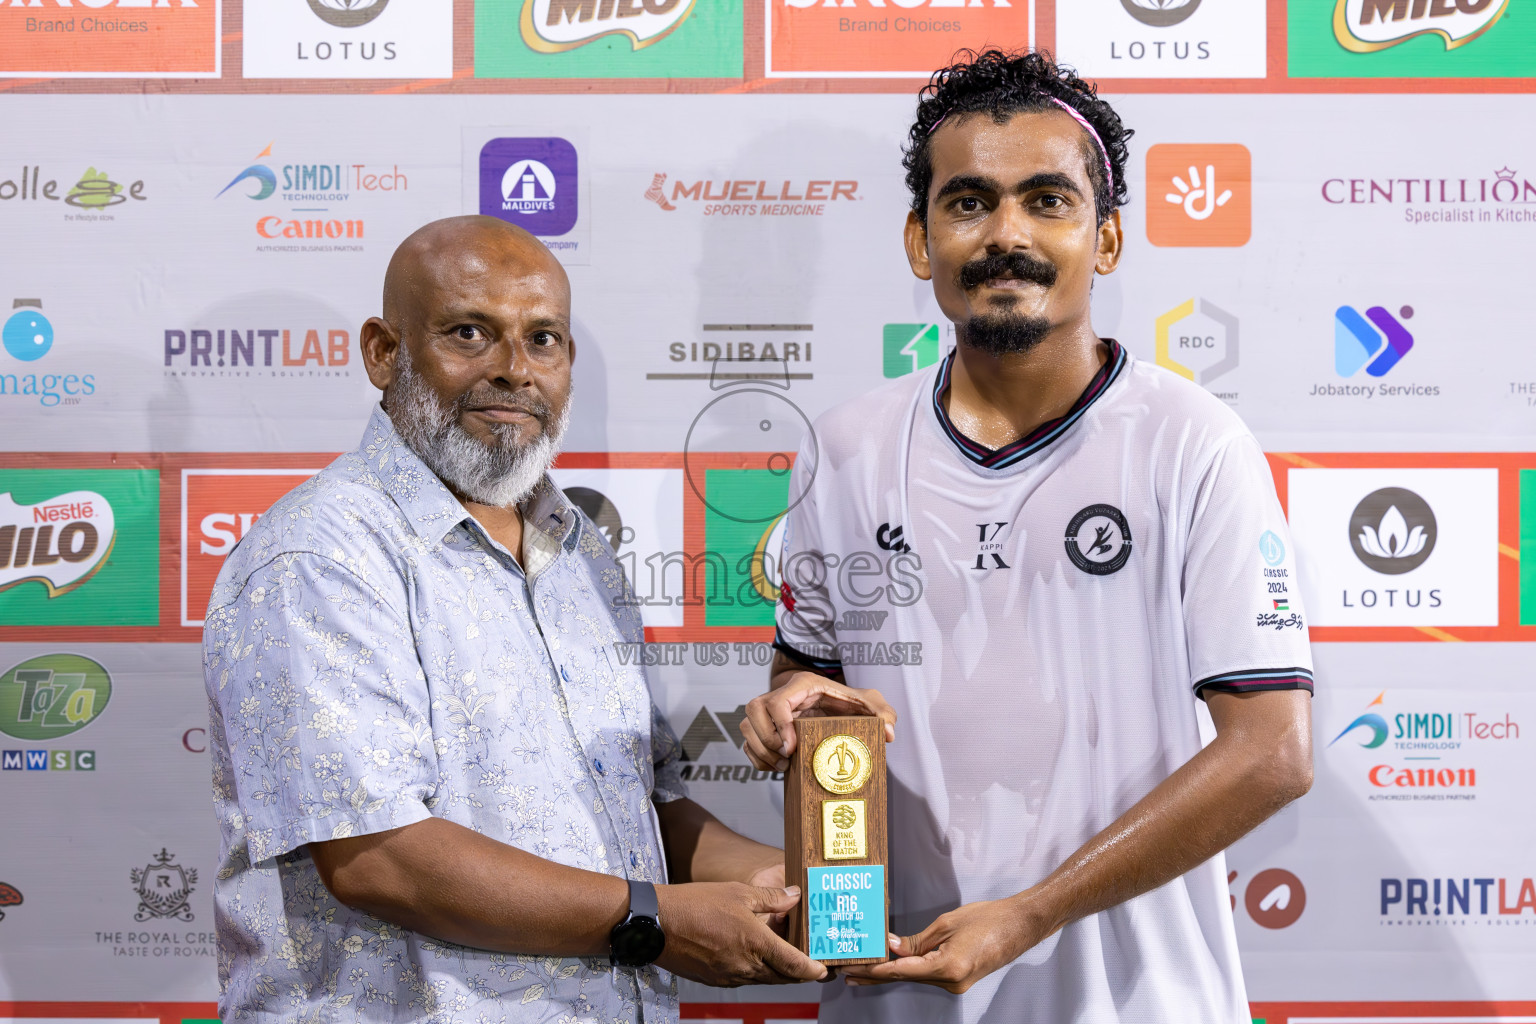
x=989, y=547
x=1099, y=540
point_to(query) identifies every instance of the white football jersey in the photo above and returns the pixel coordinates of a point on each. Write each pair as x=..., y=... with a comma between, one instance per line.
x=1044, y=619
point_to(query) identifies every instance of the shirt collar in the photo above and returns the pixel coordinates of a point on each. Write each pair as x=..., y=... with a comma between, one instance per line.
x=431, y=507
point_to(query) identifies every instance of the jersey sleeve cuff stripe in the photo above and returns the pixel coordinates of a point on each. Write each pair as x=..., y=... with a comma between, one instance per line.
x=824, y=665
x=1294, y=678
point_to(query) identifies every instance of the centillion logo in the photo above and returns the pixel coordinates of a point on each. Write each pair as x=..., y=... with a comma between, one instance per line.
x=554, y=26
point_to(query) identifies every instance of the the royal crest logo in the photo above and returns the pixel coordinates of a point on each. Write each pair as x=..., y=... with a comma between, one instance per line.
x=60, y=542
x=554, y=26
x=1365, y=26
x=163, y=887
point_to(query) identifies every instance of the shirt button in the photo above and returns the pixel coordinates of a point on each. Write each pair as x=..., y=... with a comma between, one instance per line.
x=599, y=765
x=634, y=861
x=564, y=674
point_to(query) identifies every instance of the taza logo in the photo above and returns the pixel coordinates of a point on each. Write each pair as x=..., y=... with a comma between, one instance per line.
x=347, y=13
x=1365, y=26
x=60, y=542
x=1392, y=531
x=554, y=26
x=52, y=696
x=1160, y=13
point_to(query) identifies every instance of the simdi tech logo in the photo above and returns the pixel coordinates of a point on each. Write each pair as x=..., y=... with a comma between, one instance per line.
x=1420, y=747
x=1408, y=38
x=1163, y=38
x=348, y=39
x=1199, y=195
x=79, y=547
x=308, y=189
x=110, y=38
x=608, y=38
x=875, y=39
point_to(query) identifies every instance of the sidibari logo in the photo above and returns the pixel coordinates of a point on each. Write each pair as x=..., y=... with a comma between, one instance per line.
x=1392, y=531
x=1365, y=26
x=52, y=696
x=347, y=13
x=554, y=26
x=1160, y=13
x=1357, y=344
x=60, y=543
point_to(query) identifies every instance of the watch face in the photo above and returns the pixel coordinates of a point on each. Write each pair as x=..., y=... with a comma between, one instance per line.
x=637, y=942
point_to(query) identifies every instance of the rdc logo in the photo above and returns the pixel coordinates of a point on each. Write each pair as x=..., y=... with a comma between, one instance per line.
x=530, y=183
x=27, y=334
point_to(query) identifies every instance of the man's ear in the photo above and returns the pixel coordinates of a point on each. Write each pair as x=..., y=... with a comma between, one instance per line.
x=1111, y=245
x=381, y=347
x=916, y=236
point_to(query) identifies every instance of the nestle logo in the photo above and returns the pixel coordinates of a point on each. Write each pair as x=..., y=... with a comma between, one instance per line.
x=59, y=513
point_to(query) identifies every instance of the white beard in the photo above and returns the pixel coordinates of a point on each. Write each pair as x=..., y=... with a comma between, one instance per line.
x=499, y=474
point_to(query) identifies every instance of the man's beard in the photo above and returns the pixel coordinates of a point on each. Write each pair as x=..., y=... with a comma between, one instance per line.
x=1006, y=333
x=500, y=473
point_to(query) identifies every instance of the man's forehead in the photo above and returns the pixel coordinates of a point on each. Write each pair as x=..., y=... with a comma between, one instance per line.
x=491, y=270
x=1026, y=143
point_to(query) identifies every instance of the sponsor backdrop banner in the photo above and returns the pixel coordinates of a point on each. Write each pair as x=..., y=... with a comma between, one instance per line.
x=200, y=198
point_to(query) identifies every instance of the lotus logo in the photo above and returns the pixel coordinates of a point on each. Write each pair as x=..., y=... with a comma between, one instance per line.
x=553, y=26
x=1160, y=13
x=1392, y=531
x=1365, y=26
x=347, y=13
x=60, y=542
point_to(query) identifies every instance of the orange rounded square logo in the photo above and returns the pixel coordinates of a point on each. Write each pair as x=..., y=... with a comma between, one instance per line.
x=1199, y=195
x=871, y=39
x=110, y=38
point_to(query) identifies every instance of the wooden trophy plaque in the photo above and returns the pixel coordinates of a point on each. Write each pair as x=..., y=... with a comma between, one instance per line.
x=835, y=839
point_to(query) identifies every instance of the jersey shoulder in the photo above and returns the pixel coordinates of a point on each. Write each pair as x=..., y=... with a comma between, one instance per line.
x=1162, y=396
x=856, y=426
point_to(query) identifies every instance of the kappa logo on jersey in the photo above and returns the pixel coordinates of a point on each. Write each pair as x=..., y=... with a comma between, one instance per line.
x=890, y=538
x=988, y=546
x=1099, y=540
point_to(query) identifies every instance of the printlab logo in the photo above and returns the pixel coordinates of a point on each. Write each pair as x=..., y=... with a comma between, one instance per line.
x=1199, y=195
x=1198, y=340
x=1098, y=540
x=531, y=183
x=1366, y=26
x=1357, y=344
x=908, y=348
x=52, y=696
x=1392, y=531
x=554, y=26
x=347, y=13
x=1275, y=898
x=163, y=887
x=10, y=896
x=1160, y=13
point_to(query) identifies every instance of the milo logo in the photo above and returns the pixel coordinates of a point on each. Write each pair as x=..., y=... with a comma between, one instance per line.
x=59, y=542
x=52, y=696
x=553, y=26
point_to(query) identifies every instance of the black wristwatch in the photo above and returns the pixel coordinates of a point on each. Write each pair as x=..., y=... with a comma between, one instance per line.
x=638, y=939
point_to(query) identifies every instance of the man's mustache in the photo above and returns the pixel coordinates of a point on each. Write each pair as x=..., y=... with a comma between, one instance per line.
x=1018, y=265
x=504, y=399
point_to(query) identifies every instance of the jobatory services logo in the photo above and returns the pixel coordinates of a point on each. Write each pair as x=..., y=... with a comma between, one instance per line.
x=751, y=197
x=1163, y=38
x=1371, y=345
x=218, y=508
x=1199, y=195
x=1427, y=746
x=48, y=698
x=94, y=196
x=1397, y=547
x=1198, y=340
x=872, y=39
x=1407, y=38
x=252, y=351
x=348, y=39
x=1504, y=196
x=908, y=348
x=110, y=38
x=309, y=206
x=79, y=547
x=608, y=38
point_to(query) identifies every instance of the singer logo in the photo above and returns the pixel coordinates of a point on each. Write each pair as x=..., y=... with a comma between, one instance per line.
x=876, y=39
x=1365, y=26
x=1199, y=195
x=554, y=26
x=218, y=508
x=59, y=543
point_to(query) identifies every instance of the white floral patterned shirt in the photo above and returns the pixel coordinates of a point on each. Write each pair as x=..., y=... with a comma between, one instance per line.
x=372, y=657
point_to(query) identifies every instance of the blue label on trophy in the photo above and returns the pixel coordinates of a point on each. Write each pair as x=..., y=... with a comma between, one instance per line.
x=846, y=912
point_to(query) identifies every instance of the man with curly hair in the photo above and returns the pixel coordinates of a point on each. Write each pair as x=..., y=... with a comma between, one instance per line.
x=1098, y=554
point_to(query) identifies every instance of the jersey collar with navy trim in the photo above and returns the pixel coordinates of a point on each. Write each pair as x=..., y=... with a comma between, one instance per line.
x=1043, y=435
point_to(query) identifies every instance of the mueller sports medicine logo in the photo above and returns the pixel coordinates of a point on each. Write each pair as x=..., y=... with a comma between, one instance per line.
x=257, y=352
x=751, y=197
x=532, y=183
x=59, y=543
x=1365, y=26
x=554, y=26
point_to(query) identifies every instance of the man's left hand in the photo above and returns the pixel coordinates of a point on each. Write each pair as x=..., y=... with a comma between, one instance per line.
x=958, y=949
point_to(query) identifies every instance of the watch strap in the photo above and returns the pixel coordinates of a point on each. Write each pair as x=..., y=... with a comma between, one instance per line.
x=642, y=900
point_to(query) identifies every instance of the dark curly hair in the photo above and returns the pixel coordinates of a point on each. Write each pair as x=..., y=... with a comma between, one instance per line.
x=1004, y=84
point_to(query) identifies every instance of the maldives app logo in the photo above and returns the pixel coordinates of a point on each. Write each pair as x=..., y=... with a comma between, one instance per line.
x=1408, y=38
x=110, y=38
x=608, y=39
x=1199, y=195
x=79, y=547
x=1375, y=342
x=909, y=348
x=870, y=39
x=531, y=183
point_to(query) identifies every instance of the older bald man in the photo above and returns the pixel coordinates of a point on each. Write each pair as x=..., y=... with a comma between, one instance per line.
x=442, y=797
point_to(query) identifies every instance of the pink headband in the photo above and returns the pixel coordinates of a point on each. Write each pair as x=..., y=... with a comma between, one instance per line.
x=1080, y=119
